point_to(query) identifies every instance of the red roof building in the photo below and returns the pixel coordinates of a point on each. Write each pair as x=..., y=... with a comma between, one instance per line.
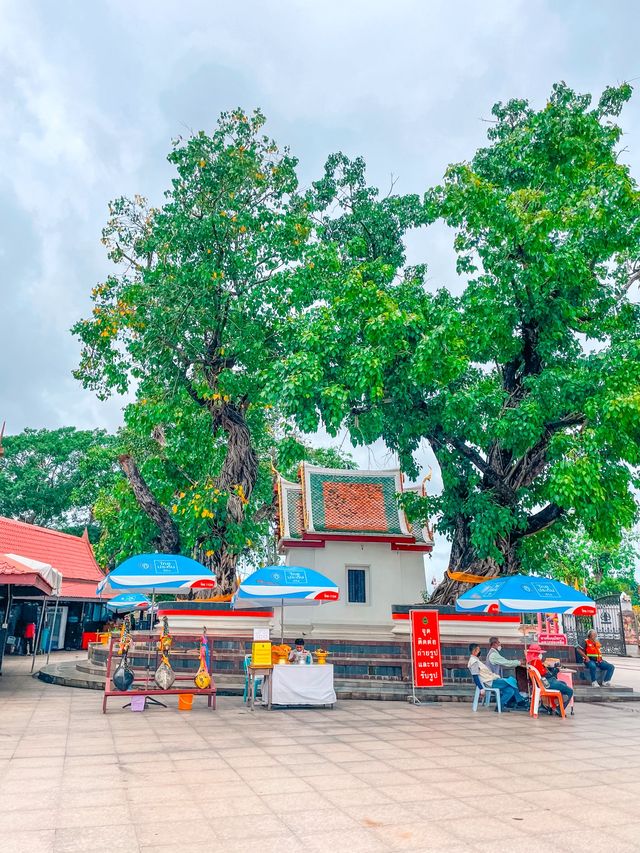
x=72, y=556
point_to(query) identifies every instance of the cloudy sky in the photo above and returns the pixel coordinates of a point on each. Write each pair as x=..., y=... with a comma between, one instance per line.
x=92, y=93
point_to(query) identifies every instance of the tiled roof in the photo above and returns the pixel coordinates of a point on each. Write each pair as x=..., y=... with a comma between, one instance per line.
x=81, y=589
x=331, y=503
x=337, y=501
x=290, y=514
x=70, y=555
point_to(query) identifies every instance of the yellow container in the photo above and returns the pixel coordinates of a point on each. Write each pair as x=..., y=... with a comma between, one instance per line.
x=104, y=638
x=261, y=654
x=185, y=701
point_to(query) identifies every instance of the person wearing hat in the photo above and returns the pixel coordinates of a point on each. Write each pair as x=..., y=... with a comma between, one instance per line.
x=299, y=654
x=549, y=674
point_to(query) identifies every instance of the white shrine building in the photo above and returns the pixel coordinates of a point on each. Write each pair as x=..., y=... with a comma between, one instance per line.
x=349, y=526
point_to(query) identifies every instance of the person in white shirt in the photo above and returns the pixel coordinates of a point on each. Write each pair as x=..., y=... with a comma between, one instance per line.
x=496, y=662
x=299, y=654
x=483, y=677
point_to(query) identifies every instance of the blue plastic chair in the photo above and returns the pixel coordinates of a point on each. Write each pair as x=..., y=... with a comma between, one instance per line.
x=257, y=682
x=488, y=692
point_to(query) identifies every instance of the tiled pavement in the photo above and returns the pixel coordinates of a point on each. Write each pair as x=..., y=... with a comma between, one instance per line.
x=365, y=776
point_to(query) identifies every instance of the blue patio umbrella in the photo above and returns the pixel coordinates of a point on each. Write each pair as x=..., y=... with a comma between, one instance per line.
x=280, y=586
x=158, y=573
x=127, y=601
x=525, y=594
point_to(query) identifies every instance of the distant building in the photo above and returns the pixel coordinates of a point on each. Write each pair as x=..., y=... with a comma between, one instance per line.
x=79, y=610
x=349, y=526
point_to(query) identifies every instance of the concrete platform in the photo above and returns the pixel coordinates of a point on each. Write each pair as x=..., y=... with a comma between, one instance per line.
x=82, y=674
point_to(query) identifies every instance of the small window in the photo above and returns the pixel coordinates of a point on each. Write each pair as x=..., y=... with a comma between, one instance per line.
x=356, y=586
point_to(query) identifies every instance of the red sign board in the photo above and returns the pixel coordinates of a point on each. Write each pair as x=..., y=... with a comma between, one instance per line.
x=553, y=639
x=425, y=648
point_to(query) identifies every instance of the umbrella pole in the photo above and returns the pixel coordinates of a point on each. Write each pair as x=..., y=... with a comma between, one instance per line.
x=53, y=625
x=36, y=640
x=153, y=601
x=526, y=665
x=5, y=621
x=281, y=620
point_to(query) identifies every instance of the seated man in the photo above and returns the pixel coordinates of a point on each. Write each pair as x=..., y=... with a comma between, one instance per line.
x=299, y=654
x=496, y=662
x=516, y=673
x=483, y=677
x=592, y=656
x=549, y=674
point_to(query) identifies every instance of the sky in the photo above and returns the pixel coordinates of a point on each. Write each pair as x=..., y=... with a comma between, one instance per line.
x=93, y=93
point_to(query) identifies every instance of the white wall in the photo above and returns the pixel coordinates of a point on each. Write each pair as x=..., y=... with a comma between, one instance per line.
x=395, y=577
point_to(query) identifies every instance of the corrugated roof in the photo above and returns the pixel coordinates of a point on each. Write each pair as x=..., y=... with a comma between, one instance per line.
x=70, y=555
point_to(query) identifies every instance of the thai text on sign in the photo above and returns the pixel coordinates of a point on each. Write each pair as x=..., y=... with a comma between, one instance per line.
x=425, y=648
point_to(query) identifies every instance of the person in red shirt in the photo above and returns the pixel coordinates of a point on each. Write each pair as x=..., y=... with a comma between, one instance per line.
x=29, y=636
x=549, y=674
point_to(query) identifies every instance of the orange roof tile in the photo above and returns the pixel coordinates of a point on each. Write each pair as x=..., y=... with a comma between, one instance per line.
x=72, y=556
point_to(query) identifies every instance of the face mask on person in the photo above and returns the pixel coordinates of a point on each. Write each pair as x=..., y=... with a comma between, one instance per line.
x=499, y=647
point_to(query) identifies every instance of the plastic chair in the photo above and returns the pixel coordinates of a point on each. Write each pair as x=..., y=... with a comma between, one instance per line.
x=257, y=682
x=542, y=692
x=488, y=691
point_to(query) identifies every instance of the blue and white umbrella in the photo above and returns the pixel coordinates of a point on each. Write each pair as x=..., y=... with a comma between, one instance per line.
x=157, y=573
x=280, y=586
x=525, y=594
x=127, y=601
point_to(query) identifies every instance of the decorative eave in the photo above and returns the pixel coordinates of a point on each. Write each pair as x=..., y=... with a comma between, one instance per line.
x=308, y=540
x=342, y=505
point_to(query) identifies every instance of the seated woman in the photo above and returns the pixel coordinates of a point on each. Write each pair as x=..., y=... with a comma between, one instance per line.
x=299, y=654
x=549, y=674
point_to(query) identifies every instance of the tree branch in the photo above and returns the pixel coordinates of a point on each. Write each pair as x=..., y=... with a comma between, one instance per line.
x=539, y=521
x=168, y=538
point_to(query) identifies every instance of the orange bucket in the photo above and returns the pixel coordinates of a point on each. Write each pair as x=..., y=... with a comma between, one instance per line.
x=185, y=701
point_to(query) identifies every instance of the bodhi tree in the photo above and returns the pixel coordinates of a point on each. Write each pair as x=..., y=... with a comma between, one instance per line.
x=188, y=320
x=525, y=381
x=167, y=449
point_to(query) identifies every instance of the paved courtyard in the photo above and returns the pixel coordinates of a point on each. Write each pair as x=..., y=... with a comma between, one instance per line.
x=366, y=776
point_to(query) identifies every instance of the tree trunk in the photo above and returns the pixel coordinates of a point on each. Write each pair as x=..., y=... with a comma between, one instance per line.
x=464, y=559
x=237, y=478
x=168, y=539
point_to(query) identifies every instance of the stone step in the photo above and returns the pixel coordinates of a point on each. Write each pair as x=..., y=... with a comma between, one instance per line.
x=72, y=674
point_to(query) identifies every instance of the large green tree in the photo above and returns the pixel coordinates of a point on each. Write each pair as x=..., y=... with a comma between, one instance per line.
x=52, y=477
x=166, y=451
x=595, y=567
x=526, y=385
x=190, y=322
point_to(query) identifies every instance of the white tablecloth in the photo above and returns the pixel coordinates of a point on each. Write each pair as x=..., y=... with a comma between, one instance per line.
x=302, y=684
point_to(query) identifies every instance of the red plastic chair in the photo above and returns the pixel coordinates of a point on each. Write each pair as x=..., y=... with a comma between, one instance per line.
x=542, y=692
